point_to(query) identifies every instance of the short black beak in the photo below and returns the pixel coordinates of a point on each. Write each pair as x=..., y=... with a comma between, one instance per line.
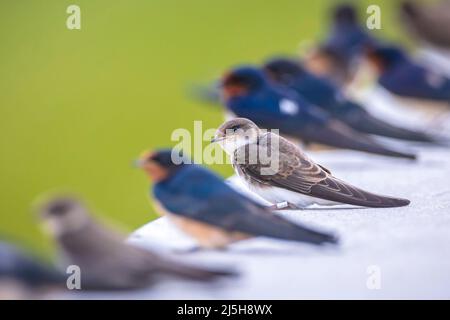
x=217, y=139
x=138, y=163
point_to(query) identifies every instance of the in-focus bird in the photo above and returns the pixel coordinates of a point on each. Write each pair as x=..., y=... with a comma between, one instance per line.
x=430, y=23
x=247, y=93
x=105, y=260
x=24, y=276
x=324, y=94
x=202, y=205
x=290, y=176
x=403, y=77
x=335, y=57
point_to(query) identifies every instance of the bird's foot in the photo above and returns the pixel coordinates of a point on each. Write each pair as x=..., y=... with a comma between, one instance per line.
x=285, y=205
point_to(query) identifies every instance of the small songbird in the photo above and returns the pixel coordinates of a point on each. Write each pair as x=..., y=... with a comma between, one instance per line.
x=430, y=23
x=324, y=94
x=24, y=276
x=247, y=93
x=290, y=175
x=202, y=205
x=106, y=262
x=403, y=77
x=335, y=57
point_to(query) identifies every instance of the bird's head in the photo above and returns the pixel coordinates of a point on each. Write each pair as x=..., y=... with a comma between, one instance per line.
x=344, y=14
x=236, y=133
x=283, y=70
x=63, y=215
x=160, y=164
x=382, y=57
x=326, y=61
x=241, y=81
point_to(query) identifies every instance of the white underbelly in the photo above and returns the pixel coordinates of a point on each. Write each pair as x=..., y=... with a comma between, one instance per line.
x=277, y=195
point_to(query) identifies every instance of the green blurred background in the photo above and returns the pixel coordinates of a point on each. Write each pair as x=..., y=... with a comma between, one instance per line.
x=76, y=106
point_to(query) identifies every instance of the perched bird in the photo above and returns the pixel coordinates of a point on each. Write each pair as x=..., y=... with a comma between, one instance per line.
x=403, y=77
x=205, y=207
x=324, y=94
x=247, y=93
x=291, y=176
x=25, y=275
x=430, y=23
x=335, y=57
x=105, y=260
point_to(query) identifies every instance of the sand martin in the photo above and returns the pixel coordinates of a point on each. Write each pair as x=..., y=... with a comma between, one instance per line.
x=105, y=260
x=292, y=176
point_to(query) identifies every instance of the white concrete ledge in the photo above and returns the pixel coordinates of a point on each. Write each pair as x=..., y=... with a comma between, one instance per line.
x=410, y=245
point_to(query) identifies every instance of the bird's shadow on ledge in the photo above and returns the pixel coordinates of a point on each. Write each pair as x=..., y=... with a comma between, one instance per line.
x=324, y=208
x=365, y=166
x=303, y=250
x=280, y=249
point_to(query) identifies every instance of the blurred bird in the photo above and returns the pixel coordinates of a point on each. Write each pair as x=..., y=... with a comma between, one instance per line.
x=24, y=276
x=430, y=23
x=335, y=57
x=205, y=207
x=247, y=93
x=105, y=260
x=324, y=94
x=291, y=176
x=403, y=77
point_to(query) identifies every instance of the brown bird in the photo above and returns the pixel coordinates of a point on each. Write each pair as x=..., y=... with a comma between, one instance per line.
x=105, y=260
x=287, y=174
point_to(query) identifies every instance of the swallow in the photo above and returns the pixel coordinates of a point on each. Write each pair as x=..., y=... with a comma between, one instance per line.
x=26, y=275
x=105, y=260
x=248, y=93
x=324, y=94
x=429, y=23
x=202, y=205
x=403, y=77
x=290, y=176
x=335, y=57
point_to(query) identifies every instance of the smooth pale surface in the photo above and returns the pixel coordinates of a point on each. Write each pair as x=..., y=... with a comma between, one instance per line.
x=410, y=245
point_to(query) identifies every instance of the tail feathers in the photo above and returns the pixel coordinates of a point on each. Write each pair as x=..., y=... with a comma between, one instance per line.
x=274, y=226
x=337, y=134
x=339, y=191
x=366, y=123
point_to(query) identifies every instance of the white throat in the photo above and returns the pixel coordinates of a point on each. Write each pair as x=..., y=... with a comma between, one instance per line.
x=230, y=145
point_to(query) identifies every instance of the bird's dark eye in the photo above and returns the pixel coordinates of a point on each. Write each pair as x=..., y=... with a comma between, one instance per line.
x=153, y=157
x=234, y=128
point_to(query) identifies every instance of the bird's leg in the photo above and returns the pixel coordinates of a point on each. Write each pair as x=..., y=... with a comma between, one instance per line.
x=285, y=205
